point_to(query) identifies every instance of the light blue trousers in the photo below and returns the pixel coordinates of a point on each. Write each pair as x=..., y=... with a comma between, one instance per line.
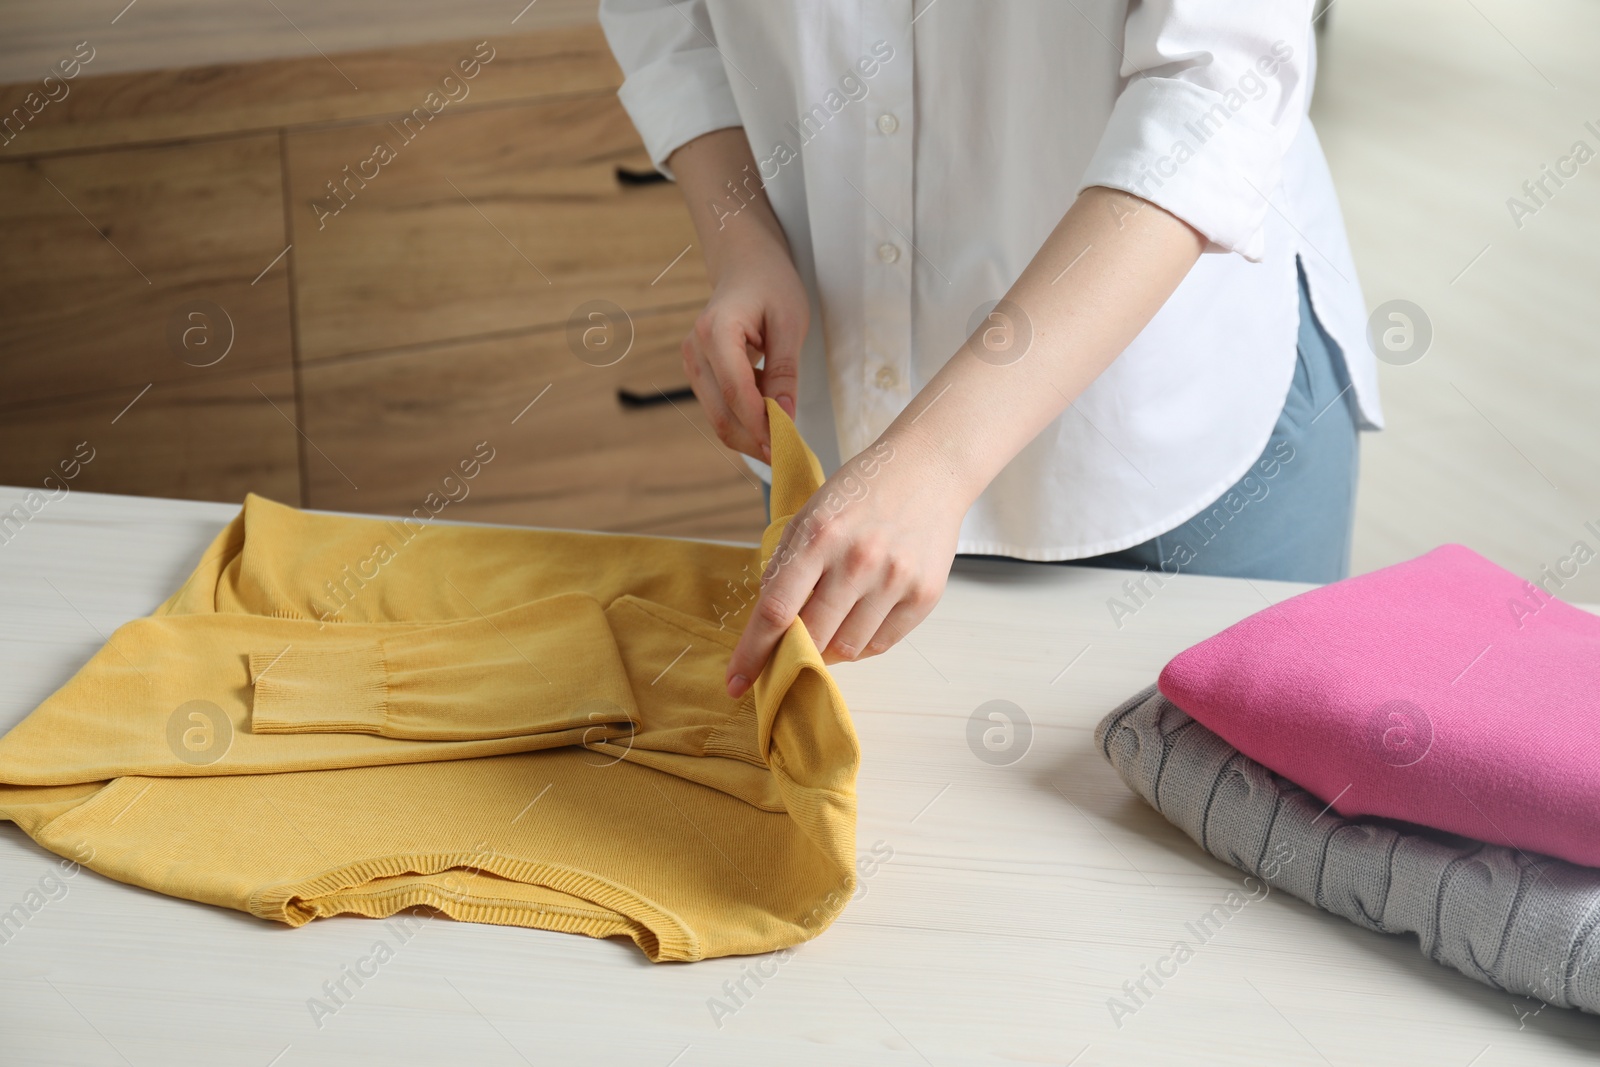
x=1290, y=516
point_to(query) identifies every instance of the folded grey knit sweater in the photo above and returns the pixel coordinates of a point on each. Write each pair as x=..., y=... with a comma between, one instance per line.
x=1522, y=923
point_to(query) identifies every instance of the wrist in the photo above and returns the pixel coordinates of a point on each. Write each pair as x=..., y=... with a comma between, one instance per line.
x=744, y=242
x=944, y=465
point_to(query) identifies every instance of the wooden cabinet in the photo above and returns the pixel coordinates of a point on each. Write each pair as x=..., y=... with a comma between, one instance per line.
x=292, y=310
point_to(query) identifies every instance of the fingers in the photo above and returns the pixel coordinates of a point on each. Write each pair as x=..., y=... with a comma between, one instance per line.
x=780, y=373
x=720, y=363
x=856, y=600
x=833, y=600
x=901, y=620
x=864, y=570
x=845, y=623
x=727, y=428
x=852, y=640
x=790, y=578
x=879, y=619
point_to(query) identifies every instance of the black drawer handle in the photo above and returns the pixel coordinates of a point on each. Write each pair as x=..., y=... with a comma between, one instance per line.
x=630, y=399
x=639, y=177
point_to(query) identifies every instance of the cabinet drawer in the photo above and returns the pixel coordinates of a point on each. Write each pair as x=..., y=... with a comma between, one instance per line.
x=208, y=439
x=566, y=453
x=481, y=223
x=150, y=267
x=106, y=253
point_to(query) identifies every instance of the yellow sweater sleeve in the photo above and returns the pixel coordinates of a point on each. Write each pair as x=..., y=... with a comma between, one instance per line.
x=190, y=695
x=508, y=674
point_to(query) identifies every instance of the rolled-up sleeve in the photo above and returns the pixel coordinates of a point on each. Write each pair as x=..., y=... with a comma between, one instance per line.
x=1214, y=97
x=675, y=86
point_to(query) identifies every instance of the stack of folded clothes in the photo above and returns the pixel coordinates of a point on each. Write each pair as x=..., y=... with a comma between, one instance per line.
x=1424, y=741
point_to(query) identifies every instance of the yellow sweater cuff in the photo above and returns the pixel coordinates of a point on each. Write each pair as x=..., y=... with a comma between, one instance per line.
x=320, y=691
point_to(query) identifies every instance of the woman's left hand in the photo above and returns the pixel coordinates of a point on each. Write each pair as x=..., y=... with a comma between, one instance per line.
x=861, y=564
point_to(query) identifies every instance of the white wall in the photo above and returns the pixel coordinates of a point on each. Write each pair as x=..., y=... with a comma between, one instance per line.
x=1433, y=113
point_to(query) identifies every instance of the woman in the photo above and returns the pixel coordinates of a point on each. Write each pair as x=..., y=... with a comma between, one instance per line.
x=1035, y=279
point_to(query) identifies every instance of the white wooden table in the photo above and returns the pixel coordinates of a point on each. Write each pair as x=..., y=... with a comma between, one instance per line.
x=1017, y=900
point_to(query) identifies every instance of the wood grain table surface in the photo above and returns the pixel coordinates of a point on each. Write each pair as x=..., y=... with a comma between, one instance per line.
x=1006, y=899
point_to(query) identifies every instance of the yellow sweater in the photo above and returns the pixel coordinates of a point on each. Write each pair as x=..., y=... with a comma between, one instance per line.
x=511, y=726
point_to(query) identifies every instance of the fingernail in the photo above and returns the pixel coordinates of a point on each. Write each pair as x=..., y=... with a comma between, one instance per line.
x=766, y=452
x=737, y=685
x=787, y=404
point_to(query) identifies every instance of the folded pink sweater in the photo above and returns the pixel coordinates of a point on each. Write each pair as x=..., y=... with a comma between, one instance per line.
x=1444, y=691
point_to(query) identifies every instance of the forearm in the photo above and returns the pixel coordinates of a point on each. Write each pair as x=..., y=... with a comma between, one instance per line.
x=759, y=310
x=1102, y=275
x=722, y=187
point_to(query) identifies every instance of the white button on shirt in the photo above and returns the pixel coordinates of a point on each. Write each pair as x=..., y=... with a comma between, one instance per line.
x=954, y=136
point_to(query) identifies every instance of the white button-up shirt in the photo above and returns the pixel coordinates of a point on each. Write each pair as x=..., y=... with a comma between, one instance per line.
x=918, y=156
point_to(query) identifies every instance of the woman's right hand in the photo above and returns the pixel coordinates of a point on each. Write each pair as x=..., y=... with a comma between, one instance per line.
x=758, y=311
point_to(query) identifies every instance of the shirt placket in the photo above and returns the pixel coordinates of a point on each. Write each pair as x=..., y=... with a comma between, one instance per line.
x=886, y=122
